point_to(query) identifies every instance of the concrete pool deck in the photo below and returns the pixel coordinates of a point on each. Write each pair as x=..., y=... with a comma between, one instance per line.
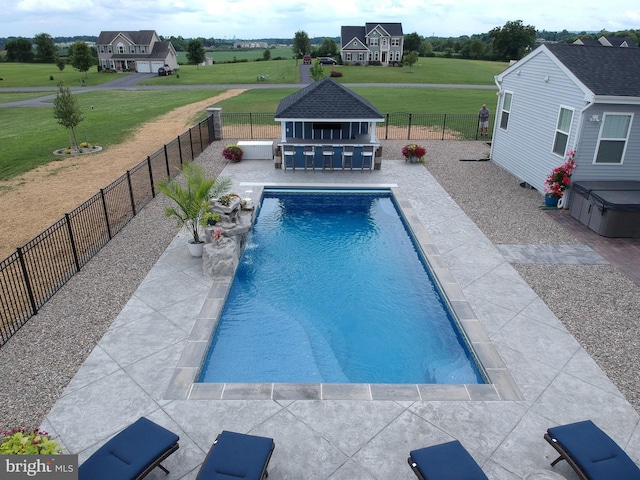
x=129, y=372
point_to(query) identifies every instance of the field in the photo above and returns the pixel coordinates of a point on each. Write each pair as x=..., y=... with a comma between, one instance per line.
x=29, y=135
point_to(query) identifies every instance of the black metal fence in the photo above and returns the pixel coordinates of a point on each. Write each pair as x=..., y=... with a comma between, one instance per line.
x=32, y=274
x=397, y=126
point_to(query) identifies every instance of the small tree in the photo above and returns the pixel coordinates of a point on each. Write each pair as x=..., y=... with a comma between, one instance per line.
x=67, y=111
x=301, y=44
x=316, y=71
x=60, y=63
x=82, y=58
x=410, y=58
x=46, y=50
x=266, y=55
x=195, y=51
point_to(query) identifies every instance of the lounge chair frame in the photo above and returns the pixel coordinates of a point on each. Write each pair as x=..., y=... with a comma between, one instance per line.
x=565, y=456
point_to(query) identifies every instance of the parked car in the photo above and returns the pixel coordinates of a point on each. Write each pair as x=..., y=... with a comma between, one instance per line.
x=306, y=60
x=327, y=61
x=164, y=71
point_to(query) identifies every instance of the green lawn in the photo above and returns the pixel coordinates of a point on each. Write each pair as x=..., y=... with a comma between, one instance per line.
x=220, y=56
x=387, y=100
x=29, y=135
x=39, y=75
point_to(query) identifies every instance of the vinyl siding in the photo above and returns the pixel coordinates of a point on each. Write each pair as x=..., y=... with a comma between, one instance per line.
x=525, y=149
x=630, y=168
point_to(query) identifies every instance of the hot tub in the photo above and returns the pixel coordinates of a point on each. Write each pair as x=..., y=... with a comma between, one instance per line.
x=609, y=208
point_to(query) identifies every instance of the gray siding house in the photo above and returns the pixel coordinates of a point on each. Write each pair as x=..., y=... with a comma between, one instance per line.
x=140, y=51
x=374, y=43
x=570, y=97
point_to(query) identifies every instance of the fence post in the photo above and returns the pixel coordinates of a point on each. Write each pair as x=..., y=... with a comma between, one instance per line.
x=179, y=149
x=133, y=200
x=72, y=241
x=166, y=160
x=409, y=126
x=386, y=130
x=200, y=135
x=27, y=282
x=250, y=125
x=153, y=188
x=106, y=214
x=444, y=124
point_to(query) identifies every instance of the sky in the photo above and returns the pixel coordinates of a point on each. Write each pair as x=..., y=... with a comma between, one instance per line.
x=253, y=19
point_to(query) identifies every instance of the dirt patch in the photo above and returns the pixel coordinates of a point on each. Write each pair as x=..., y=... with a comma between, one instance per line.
x=33, y=201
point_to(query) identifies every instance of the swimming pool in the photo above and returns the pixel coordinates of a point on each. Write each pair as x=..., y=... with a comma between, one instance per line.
x=332, y=289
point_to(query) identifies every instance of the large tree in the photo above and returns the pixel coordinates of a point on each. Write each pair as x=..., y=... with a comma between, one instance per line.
x=19, y=50
x=329, y=48
x=46, y=50
x=82, y=58
x=195, y=51
x=513, y=41
x=413, y=41
x=301, y=44
x=67, y=111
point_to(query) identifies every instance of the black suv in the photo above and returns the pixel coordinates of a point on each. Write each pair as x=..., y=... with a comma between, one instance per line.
x=163, y=71
x=327, y=61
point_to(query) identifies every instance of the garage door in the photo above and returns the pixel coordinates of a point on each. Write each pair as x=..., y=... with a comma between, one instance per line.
x=155, y=66
x=143, y=67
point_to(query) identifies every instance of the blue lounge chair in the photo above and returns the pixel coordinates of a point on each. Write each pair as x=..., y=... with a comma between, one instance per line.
x=447, y=461
x=236, y=455
x=131, y=454
x=591, y=452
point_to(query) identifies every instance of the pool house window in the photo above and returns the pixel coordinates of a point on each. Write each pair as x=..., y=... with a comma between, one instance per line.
x=613, y=138
x=506, y=110
x=563, y=128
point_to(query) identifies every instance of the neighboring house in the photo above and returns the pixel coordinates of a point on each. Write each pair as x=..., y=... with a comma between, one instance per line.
x=379, y=43
x=140, y=51
x=607, y=42
x=563, y=97
x=250, y=44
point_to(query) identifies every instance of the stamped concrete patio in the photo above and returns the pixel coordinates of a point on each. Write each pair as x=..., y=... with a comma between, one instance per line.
x=129, y=372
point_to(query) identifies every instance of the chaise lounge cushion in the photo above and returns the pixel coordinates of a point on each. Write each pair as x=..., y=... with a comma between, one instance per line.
x=131, y=454
x=236, y=456
x=446, y=461
x=594, y=451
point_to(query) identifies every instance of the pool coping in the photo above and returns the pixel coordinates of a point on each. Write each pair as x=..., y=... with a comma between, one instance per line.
x=502, y=386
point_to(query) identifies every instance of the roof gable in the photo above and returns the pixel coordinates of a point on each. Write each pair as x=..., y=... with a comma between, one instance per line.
x=390, y=29
x=326, y=100
x=348, y=34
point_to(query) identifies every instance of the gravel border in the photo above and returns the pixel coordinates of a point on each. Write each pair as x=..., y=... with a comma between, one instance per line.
x=597, y=303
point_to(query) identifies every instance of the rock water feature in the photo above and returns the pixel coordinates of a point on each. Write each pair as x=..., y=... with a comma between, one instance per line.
x=222, y=251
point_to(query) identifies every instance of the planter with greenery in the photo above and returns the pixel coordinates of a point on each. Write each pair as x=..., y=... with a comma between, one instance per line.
x=191, y=197
x=559, y=180
x=414, y=153
x=28, y=442
x=233, y=153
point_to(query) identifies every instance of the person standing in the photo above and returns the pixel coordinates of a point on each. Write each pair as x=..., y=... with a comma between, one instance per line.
x=483, y=118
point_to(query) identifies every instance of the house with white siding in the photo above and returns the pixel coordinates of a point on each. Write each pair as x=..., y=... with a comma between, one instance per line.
x=138, y=51
x=375, y=43
x=565, y=97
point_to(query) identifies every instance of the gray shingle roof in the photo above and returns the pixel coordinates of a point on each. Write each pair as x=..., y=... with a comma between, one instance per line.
x=393, y=29
x=326, y=100
x=140, y=37
x=603, y=70
x=349, y=33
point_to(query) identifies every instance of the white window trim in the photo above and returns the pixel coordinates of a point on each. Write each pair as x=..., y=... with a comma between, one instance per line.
x=567, y=133
x=502, y=110
x=626, y=140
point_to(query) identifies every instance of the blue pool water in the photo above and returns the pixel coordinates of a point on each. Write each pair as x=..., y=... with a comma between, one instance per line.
x=331, y=289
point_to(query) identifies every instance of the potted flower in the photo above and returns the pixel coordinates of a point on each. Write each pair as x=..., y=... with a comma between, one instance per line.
x=192, y=201
x=559, y=180
x=414, y=153
x=28, y=442
x=233, y=153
